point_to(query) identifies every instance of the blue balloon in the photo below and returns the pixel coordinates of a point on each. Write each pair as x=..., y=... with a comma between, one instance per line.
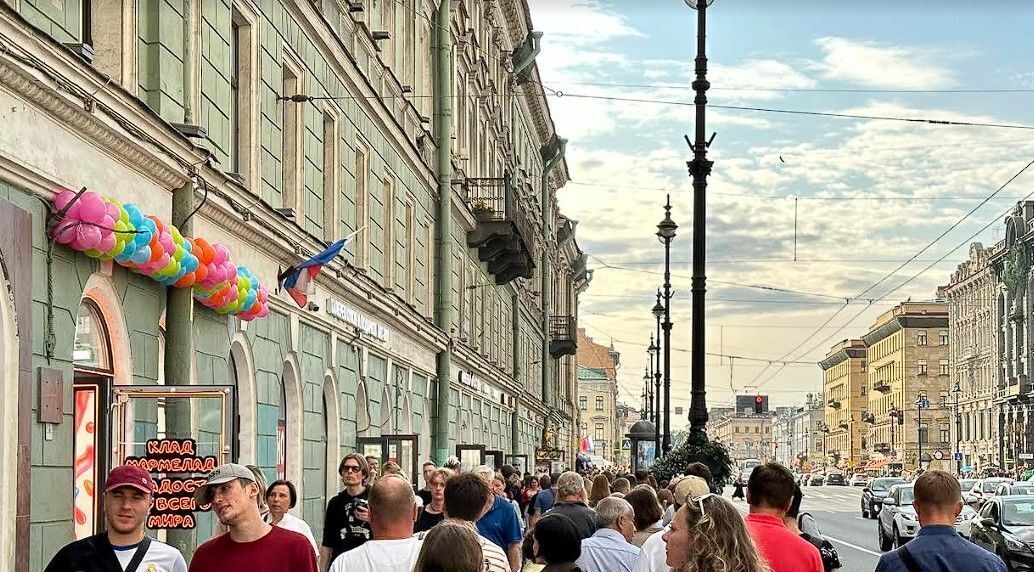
x=142, y=255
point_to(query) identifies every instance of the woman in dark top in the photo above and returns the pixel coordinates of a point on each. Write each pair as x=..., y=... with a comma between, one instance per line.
x=433, y=513
x=557, y=543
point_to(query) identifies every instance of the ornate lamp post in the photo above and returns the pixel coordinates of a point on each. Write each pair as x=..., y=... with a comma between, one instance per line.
x=658, y=313
x=666, y=233
x=699, y=168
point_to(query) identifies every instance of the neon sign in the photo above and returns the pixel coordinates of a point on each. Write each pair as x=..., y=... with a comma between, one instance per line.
x=174, y=504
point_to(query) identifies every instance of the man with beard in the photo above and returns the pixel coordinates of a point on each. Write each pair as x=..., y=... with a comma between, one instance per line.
x=128, y=496
x=250, y=543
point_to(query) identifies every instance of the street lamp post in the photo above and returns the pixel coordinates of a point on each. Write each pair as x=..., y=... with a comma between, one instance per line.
x=958, y=430
x=920, y=404
x=825, y=433
x=658, y=313
x=647, y=394
x=699, y=169
x=666, y=233
x=651, y=351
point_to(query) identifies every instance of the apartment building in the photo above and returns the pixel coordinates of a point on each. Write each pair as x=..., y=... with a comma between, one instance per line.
x=846, y=403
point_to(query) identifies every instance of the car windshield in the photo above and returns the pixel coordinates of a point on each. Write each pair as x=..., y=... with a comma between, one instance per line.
x=907, y=494
x=1018, y=513
x=967, y=484
x=991, y=485
x=1022, y=490
x=884, y=484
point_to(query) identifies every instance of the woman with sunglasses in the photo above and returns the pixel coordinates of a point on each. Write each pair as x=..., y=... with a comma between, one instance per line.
x=708, y=534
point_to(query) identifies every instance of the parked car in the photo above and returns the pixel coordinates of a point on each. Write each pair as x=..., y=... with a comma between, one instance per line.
x=874, y=493
x=1015, y=489
x=1006, y=527
x=836, y=479
x=984, y=489
x=816, y=480
x=858, y=480
x=898, y=522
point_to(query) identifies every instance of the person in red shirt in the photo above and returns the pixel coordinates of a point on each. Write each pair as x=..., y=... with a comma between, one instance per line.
x=250, y=545
x=769, y=494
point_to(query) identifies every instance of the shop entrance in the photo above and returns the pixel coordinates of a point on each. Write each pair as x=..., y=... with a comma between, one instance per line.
x=470, y=456
x=494, y=459
x=519, y=462
x=401, y=449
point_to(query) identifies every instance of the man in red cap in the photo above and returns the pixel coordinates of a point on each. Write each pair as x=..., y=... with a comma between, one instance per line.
x=123, y=547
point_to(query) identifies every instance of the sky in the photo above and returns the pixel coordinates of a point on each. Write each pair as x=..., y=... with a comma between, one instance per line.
x=869, y=194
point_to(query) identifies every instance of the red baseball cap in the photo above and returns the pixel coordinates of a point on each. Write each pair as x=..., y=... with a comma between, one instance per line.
x=129, y=476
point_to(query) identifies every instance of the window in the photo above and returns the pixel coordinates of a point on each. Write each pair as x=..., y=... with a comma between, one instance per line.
x=330, y=176
x=599, y=403
x=736, y=429
x=242, y=150
x=943, y=337
x=921, y=367
x=924, y=434
x=292, y=137
x=362, y=202
x=757, y=429
x=920, y=337
x=599, y=434
x=583, y=402
x=942, y=367
x=945, y=434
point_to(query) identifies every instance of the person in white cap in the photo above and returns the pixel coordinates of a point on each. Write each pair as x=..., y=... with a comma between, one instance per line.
x=250, y=543
x=123, y=547
x=653, y=556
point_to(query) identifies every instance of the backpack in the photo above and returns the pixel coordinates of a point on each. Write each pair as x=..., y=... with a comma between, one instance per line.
x=830, y=557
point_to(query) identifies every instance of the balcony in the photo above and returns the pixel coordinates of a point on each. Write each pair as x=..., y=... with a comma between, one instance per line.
x=843, y=425
x=562, y=336
x=833, y=403
x=881, y=385
x=503, y=235
x=881, y=447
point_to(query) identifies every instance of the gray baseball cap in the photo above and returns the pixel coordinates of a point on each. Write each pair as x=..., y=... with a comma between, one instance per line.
x=222, y=474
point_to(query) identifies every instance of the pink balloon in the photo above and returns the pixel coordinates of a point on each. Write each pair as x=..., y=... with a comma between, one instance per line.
x=166, y=241
x=231, y=270
x=221, y=254
x=87, y=236
x=113, y=211
x=63, y=198
x=92, y=207
x=107, y=243
x=65, y=232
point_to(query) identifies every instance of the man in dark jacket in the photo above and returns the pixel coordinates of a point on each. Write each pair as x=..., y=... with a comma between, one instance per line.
x=570, y=502
x=123, y=546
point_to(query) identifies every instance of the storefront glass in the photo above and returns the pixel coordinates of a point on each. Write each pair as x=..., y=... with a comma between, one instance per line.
x=91, y=357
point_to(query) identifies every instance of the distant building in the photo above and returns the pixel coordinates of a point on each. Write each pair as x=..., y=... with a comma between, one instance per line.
x=747, y=435
x=597, y=398
x=844, y=389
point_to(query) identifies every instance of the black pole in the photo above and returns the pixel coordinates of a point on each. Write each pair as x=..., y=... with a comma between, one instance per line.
x=919, y=430
x=699, y=168
x=958, y=436
x=667, y=333
x=657, y=383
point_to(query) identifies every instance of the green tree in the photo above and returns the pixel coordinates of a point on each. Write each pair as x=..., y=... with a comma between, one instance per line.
x=696, y=448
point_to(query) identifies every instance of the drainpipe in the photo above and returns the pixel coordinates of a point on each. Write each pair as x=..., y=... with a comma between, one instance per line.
x=546, y=212
x=515, y=440
x=189, y=57
x=443, y=311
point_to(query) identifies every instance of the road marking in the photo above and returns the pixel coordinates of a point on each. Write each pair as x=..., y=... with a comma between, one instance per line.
x=855, y=546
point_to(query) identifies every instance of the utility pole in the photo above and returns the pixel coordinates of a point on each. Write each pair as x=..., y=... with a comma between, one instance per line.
x=699, y=169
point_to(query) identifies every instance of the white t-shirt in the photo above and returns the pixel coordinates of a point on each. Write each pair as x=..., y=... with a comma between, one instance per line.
x=380, y=556
x=654, y=555
x=295, y=524
x=160, y=557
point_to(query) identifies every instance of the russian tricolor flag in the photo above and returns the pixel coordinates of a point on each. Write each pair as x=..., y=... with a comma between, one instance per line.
x=298, y=279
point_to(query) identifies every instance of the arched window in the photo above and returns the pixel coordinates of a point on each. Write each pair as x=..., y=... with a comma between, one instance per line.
x=91, y=350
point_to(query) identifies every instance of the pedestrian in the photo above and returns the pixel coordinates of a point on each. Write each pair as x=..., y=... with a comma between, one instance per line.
x=609, y=548
x=393, y=547
x=544, y=499
x=467, y=499
x=372, y=464
x=528, y=492
x=803, y=524
x=937, y=547
x=433, y=512
x=571, y=503
x=347, y=522
x=281, y=496
x=450, y=548
x=667, y=501
x=500, y=523
x=769, y=494
x=622, y=486
x=708, y=535
x=647, y=511
x=512, y=478
x=427, y=469
x=393, y=468
x=556, y=544
x=737, y=492
x=499, y=490
x=600, y=490
x=250, y=543
x=128, y=497
x=653, y=557
x=453, y=464
x=698, y=469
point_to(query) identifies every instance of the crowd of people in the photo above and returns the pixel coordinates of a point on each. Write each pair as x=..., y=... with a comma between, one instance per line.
x=485, y=520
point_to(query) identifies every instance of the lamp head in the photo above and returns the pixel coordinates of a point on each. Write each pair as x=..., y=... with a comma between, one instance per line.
x=658, y=308
x=666, y=228
x=694, y=4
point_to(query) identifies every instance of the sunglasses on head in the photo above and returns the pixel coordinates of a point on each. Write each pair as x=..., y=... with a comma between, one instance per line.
x=700, y=503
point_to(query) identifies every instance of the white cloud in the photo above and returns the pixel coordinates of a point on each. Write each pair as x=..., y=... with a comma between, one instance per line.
x=881, y=66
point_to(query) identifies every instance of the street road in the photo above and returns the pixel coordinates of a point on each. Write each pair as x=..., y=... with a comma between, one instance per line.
x=837, y=510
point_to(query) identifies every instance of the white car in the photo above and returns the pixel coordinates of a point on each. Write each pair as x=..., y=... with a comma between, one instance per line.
x=898, y=522
x=858, y=480
x=984, y=489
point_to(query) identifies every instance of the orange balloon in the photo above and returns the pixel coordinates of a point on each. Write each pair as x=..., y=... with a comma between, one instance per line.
x=186, y=281
x=156, y=251
x=201, y=273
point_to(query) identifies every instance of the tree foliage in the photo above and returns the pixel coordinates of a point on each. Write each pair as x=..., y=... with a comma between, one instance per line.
x=696, y=448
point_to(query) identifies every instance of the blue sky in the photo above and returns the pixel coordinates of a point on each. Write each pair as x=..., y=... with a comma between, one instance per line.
x=870, y=193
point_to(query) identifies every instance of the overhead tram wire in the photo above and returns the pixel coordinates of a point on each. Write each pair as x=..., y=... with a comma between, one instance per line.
x=806, y=89
x=899, y=267
x=993, y=221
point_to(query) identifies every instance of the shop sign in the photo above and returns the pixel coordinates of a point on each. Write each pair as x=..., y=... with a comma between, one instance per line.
x=549, y=455
x=174, y=504
x=469, y=380
x=361, y=321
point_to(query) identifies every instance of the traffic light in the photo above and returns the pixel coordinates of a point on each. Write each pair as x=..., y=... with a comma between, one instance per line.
x=758, y=401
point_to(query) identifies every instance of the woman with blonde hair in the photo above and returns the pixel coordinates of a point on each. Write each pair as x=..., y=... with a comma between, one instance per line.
x=709, y=535
x=450, y=547
x=600, y=489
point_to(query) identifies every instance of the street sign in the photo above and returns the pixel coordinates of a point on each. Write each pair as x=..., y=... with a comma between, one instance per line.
x=1027, y=455
x=958, y=456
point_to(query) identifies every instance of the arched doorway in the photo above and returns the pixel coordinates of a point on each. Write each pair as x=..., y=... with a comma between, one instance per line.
x=93, y=374
x=362, y=411
x=387, y=408
x=9, y=348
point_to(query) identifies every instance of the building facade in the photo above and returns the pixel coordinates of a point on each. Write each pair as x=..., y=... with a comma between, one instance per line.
x=273, y=129
x=974, y=359
x=908, y=377
x=597, y=398
x=846, y=402
x=747, y=435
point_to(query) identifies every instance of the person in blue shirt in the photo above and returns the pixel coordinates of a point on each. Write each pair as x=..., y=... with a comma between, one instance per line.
x=937, y=547
x=609, y=549
x=500, y=523
x=544, y=500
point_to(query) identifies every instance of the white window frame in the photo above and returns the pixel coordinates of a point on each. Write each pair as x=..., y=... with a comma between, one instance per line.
x=331, y=172
x=293, y=80
x=247, y=105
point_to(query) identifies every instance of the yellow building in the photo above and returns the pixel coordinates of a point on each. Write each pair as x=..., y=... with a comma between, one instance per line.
x=845, y=399
x=907, y=352
x=747, y=435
